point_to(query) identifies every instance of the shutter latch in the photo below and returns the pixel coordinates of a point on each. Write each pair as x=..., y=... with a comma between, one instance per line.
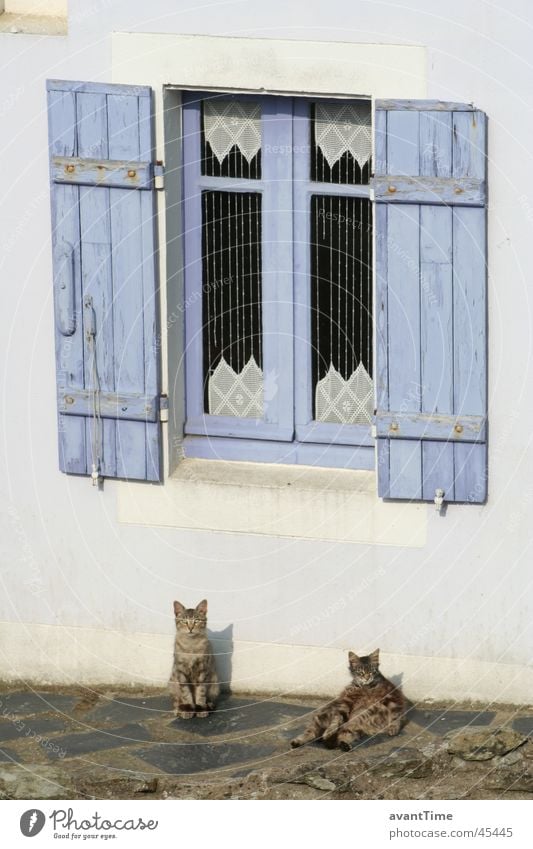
x=159, y=175
x=163, y=408
x=439, y=500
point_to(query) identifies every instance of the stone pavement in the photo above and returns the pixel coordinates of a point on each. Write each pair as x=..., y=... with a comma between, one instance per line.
x=87, y=744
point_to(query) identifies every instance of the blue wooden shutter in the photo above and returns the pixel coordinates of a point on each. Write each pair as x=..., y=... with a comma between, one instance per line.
x=430, y=192
x=105, y=284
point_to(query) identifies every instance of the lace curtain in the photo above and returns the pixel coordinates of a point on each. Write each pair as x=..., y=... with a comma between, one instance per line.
x=233, y=394
x=230, y=123
x=345, y=401
x=341, y=128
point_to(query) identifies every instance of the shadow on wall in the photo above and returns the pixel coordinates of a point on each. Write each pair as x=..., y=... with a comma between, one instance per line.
x=222, y=644
x=397, y=679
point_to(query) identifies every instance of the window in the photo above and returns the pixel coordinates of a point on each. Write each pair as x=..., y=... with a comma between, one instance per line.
x=278, y=278
x=278, y=302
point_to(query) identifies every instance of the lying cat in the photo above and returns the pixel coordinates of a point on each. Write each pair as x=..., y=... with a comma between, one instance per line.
x=370, y=704
x=193, y=682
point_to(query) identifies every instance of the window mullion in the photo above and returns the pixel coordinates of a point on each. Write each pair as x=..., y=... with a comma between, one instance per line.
x=230, y=184
x=278, y=294
x=302, y=267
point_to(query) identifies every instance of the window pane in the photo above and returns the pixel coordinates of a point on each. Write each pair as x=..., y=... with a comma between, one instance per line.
x=231, y=139
x=341, y=309
x=232, y=314
x=341, y=142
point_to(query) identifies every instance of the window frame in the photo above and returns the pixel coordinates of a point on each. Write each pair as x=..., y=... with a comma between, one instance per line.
x=296, y=438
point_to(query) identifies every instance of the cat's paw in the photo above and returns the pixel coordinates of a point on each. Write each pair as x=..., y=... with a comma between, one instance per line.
x=344, y=746
x=296, y=743
x=185, y=712
x=202, y=711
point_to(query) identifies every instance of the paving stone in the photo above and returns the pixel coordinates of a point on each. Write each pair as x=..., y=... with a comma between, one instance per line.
x=238, y=715
x=376, y=740
x=23, y=729
x=27, y=703
x=200, y=757
x=443, y=721
x=524, y=724
x=9, y=757
x=130, y=710
x=71, y=745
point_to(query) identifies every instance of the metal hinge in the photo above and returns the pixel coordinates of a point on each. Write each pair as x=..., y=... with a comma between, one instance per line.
x=163, y=408
x=159, y=175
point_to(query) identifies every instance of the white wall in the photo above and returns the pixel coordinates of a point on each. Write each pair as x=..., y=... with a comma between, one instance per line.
x=66, y=561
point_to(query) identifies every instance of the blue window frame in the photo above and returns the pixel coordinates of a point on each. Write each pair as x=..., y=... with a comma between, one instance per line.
x=280, y=184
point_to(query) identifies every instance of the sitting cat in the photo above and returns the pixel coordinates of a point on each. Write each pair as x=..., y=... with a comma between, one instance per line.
x=370, y=704
x=193, y=682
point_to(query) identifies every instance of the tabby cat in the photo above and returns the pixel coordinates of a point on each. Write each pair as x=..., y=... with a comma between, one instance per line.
x=370, y=704
x=193, y=682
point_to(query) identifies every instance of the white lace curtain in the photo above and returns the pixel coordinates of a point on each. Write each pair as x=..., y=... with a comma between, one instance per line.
x=342, y=127
x=345, y=401
x=236, y=394
x=229, y=123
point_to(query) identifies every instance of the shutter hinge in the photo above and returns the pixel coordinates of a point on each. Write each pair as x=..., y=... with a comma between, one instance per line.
x=163, y=408
x=159, y=175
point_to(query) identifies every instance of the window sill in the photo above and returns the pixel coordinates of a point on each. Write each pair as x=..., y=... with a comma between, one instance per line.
x=266, y=499
x=15, y=24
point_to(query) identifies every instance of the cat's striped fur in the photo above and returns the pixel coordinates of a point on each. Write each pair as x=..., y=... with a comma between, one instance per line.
x=370, y=704
x=193, y=682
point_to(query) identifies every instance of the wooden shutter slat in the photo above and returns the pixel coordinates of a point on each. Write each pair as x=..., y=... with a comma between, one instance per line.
x=469, y=246
x=117, y=173
x=148, y=270
x=436, y=309
x=449, y=428
x=435, y=147
x=112, y=405
x=468, y=144
x=66, y=237
x=424, y=106
x=463, y=191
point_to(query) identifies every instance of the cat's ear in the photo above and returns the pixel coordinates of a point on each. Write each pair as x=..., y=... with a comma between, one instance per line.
x=201, y=607
x=374, y=657
x=353, y=658
x=178, y=608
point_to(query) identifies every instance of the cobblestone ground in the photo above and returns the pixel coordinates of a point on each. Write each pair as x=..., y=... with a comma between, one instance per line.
x=85, y=744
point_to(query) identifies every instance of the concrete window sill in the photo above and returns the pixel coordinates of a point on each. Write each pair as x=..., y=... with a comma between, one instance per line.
x=15, y=24
x=274, y=500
